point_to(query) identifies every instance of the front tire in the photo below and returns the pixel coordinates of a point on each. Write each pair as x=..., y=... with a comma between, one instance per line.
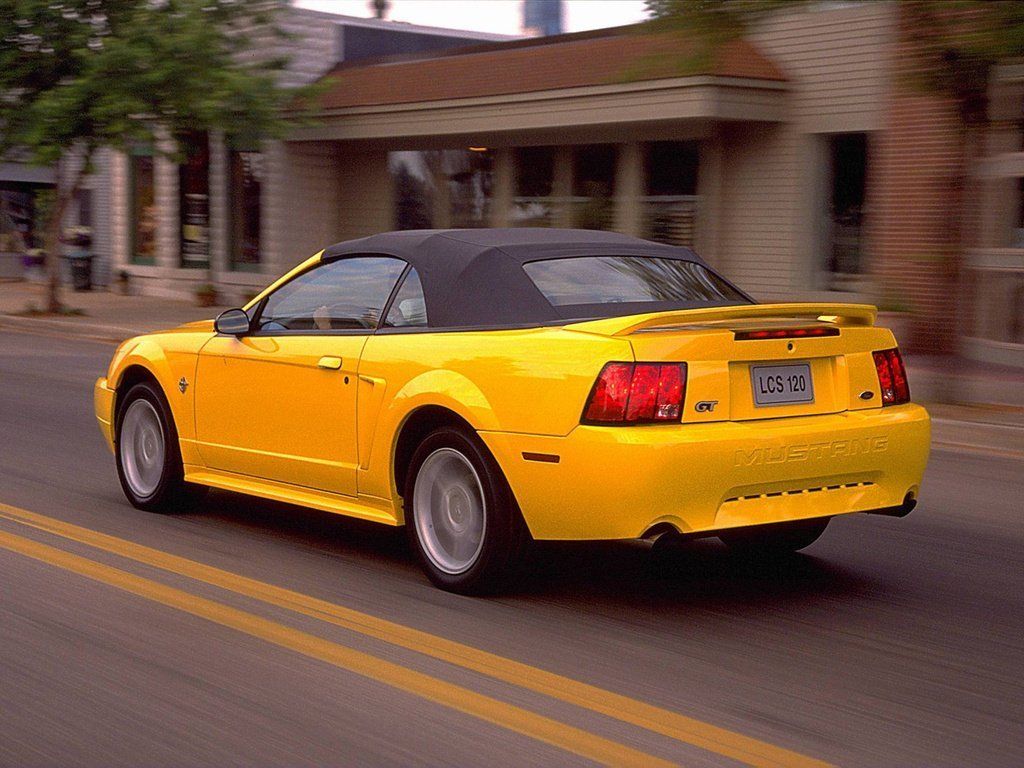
x=774, y=540
x=461, y=518
x=148, y=458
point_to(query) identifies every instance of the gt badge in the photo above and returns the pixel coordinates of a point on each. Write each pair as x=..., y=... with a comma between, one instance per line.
x=183, y=384
x=705, y=406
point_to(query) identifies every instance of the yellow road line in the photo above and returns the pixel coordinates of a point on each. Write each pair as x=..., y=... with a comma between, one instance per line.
x=499, y=713
x=712, y=738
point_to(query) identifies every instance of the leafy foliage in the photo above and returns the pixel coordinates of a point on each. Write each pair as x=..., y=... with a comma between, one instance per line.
x=78, y=75
x=702, y=27
x=92, y=73
x=957, y=44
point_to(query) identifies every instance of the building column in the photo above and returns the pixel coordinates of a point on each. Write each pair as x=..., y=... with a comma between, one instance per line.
x=120, y=215
x=101, y=184
x=219, y=209
x=275, y=208
x=561, y=187
x=504, y=188
x=629, y=189
x=165, y=196
x=711, y=212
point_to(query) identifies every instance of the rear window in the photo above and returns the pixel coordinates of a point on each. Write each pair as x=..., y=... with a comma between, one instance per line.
x=628, y=280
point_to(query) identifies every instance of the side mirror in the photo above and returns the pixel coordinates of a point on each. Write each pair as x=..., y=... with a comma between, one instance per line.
x=232, y=322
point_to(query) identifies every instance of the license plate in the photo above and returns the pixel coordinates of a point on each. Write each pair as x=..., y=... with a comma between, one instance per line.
x=782, y=384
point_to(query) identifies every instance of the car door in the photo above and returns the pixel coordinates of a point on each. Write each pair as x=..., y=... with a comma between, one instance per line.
x=279, y=403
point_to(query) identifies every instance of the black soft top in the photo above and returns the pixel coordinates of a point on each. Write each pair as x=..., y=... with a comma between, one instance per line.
x=474, y=277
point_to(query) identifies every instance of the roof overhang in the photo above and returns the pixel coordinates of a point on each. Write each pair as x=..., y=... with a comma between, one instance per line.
x=701, y=98
x=23, y=173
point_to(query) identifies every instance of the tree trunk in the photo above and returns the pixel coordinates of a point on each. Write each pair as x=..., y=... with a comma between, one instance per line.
x=67, y=188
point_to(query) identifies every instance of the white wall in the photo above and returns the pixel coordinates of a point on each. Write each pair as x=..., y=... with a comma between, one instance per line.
x=838, y=65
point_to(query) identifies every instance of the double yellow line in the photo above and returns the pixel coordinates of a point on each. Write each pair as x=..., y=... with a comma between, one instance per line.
x=637, y=713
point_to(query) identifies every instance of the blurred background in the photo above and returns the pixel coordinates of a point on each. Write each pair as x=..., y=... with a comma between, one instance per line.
x=807, y=153
x=847, y=151
x=855, y=151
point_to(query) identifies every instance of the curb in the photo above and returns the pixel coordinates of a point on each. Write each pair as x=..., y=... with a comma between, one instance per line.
x=977, y=450
x=94, y=331
x=983, y=438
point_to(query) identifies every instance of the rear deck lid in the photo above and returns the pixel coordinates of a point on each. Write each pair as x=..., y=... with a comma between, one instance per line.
x=761, y=361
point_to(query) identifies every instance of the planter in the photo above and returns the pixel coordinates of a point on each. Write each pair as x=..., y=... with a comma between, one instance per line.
x=206, y=297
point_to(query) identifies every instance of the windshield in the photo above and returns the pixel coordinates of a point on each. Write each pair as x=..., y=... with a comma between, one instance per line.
x=590, y=280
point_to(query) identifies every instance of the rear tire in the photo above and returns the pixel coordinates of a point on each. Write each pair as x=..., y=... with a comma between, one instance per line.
x=460, y=516
x=774, y=540
x=148, y=457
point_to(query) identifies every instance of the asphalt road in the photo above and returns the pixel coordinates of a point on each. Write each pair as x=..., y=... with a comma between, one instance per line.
x=890, y=642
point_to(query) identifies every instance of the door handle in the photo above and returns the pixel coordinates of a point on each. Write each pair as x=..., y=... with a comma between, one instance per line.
x=330, y=363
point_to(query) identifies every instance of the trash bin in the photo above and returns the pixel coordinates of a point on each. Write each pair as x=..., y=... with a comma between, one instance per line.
x=81, y=270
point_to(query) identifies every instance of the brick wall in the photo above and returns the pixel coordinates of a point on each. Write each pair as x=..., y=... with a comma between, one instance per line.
x=916, y=203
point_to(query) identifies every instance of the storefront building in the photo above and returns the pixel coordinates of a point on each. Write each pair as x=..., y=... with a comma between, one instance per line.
x=794, y=162
x=176, y=228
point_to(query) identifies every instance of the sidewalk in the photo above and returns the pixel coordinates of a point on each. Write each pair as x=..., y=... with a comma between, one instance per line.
x=105, y=316
x=974, y=407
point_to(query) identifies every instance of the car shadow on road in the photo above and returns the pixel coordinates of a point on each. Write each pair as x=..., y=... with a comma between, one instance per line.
x=324, y=531
x=701, y=573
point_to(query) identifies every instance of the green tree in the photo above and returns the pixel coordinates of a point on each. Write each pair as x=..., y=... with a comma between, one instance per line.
x=80, y=75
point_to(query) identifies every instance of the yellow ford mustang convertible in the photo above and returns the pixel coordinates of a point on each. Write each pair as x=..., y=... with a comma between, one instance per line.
x=481, y=387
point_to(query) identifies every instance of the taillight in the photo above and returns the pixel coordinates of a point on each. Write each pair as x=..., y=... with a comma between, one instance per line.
x=786, y=333
x=892, y=377
x=637, y=393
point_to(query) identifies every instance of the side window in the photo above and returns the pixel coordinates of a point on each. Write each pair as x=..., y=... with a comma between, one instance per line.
x=409, y=309
x=345, y=294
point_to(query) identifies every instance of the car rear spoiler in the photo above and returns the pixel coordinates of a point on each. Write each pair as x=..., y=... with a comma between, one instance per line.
x=684, y=319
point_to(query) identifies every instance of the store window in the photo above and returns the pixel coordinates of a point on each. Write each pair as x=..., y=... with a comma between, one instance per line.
x=18, y=218
x=535, y=179
x=83, y=203
x=246, y=180
x=671, y=168
x=470, y=177
x=844, y=255
x=194, y=200
x=1017, y=232
x=413, y=186
x=442, y=188
x=593, y=180
x=143, y=206
x=670, y=203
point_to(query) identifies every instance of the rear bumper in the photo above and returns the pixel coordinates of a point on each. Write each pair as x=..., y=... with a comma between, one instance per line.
x=103, y=405
x=618, y=482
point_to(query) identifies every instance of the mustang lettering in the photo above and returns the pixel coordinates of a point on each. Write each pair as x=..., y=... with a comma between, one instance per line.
x=811, y=451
